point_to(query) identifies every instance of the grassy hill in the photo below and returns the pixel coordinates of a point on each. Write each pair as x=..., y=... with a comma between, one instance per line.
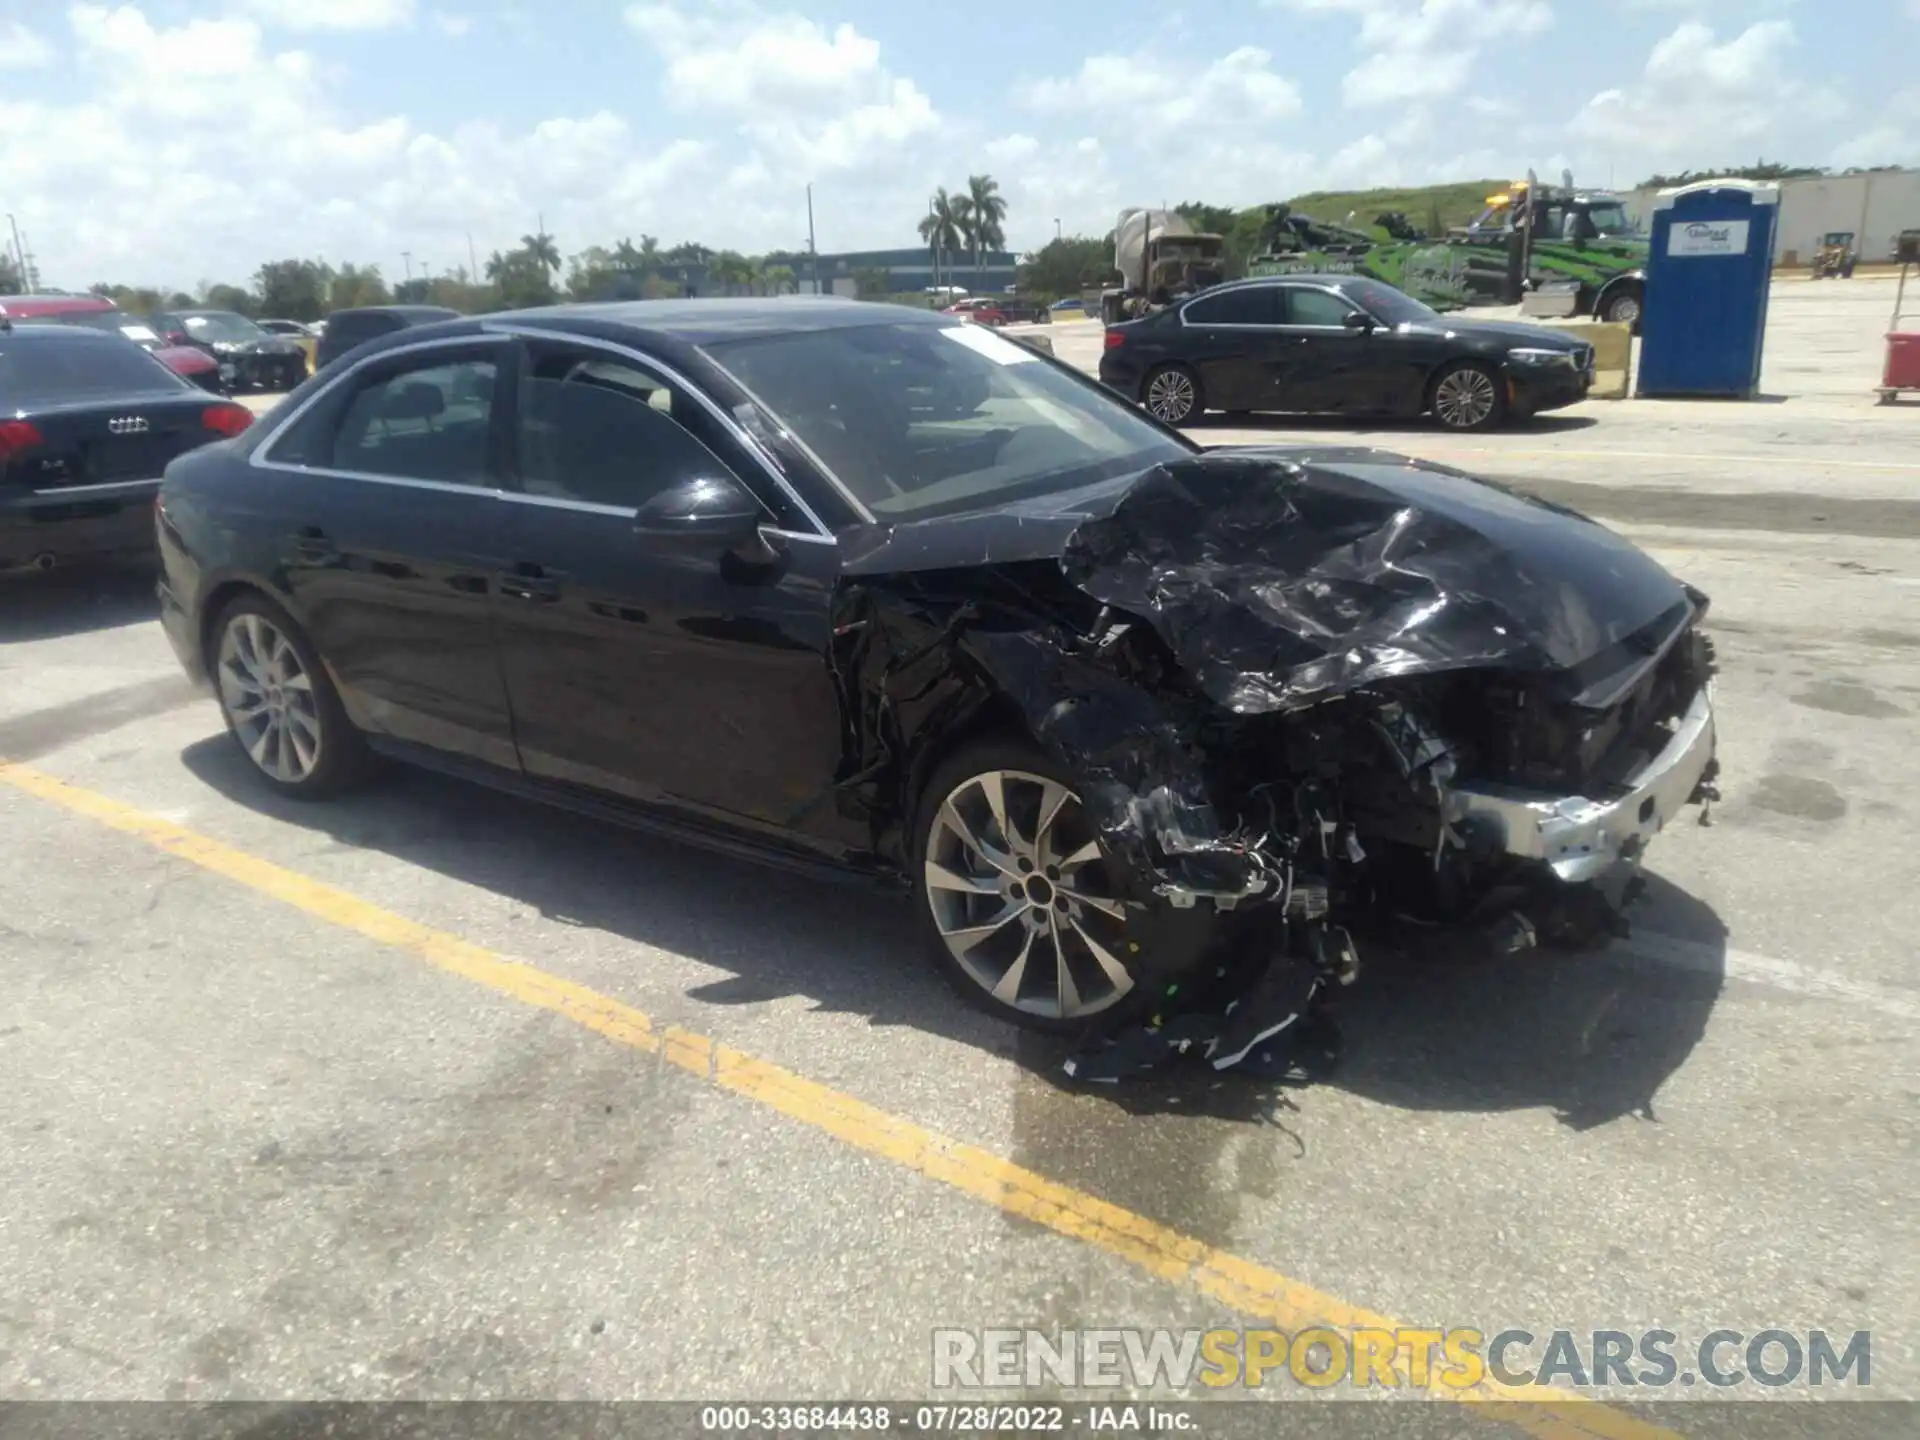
x=1432, y=208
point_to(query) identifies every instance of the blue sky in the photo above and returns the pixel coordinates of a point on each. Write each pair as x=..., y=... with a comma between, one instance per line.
x=177, y=141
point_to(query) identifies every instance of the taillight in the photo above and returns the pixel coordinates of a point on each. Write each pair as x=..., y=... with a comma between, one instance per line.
x=16, y=436
x=1115, y=339
x=228, y=420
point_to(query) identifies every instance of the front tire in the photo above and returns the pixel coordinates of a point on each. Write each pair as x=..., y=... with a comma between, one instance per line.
x=1467, y=396
x=1624, y=308
x=279, y=703
x=1172, y=395
x=1019, y=907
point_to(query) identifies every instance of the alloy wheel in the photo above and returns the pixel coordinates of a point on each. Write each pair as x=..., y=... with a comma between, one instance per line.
x=1170, y=396
x=1624, y=311
x=268, y=696
x=1464, y=398
x=1022, y=898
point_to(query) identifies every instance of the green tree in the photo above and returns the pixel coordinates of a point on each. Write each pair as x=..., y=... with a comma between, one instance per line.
x=520, y=279
x=1207, y=219
x=357, y=285
x=779, y=279
x=1066, y=266
x=688, y=252
x=413, y=292
x=872, y=284
x=987, y=208
x=10, y=282
x=542, y=250
x=732, y=270
x=942, y=228
x=229, y=297
x=292, y=289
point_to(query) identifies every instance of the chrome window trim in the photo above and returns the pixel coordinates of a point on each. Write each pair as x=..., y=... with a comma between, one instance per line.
x=649, y=361
x=102, y=488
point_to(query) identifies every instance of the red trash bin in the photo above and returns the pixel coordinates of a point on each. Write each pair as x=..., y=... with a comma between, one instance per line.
x=1903, y=361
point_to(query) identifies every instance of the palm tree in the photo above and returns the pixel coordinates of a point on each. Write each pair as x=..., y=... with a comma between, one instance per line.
x=986, y=208
x=941, y=228
x=779, y=278
x=542, y=249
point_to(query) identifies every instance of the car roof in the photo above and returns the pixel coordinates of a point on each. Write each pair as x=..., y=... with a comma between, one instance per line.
x=419, y=312
x=674, y=324
x=44, y=328
x=702, y=321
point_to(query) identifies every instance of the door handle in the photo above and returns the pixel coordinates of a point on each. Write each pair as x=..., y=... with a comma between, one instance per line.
x=530, y=582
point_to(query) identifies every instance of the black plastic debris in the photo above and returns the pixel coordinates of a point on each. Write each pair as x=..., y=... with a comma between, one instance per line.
x=1270, y=1021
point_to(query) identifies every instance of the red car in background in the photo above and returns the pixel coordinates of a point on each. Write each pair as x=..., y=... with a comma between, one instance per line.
x=94, y=313
x=998, y=310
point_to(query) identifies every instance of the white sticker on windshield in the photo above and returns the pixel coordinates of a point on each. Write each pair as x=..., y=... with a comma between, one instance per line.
x=138, y=332
x=978, y=337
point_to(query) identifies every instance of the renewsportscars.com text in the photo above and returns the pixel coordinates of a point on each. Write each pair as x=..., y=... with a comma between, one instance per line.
x=1460, y=1359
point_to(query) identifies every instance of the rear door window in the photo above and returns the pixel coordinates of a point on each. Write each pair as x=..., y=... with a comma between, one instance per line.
x=1246, y=305
x=425, y=417
x=1320, y=308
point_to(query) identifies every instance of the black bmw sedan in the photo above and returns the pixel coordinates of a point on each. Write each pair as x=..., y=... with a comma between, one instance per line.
x=861, y=590
x=1340, y=344
x=88, y=420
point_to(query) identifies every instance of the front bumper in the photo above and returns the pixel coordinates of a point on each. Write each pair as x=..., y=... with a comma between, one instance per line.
x=1550, y=388
x=1581, y=839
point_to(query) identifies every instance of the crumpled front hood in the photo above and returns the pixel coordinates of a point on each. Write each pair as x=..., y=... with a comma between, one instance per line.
x=1280, y=577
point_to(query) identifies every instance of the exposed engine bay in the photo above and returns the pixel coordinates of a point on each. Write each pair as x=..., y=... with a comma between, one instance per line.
x=1303, y=695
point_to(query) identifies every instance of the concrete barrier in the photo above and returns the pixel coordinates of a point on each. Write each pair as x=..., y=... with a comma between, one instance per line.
x=1612, y=354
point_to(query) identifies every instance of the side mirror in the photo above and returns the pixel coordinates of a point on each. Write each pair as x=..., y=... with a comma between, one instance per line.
x=713, y=513
x=1359, y=320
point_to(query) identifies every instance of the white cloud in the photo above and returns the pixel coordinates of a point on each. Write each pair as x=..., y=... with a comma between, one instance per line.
x=1699, y=103
x=811, y=101
x=452, y=24
x=1240, y=86
x=1423, y=49
x=334, y=14
x=21, y=48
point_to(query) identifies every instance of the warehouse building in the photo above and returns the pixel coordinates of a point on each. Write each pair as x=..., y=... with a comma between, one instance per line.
x=909, y=271
x=1874, y=206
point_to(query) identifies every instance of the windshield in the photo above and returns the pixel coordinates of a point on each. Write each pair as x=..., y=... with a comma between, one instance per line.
x=1610, y=218
x=1385, y=303
x=222, y=325
x=51, y=370
x=119, y=323
x=917, y=419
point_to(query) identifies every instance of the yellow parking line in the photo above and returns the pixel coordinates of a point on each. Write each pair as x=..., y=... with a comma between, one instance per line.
x=1242, y=1285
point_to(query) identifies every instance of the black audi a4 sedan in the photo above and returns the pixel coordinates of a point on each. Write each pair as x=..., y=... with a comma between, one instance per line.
x=862, y=590
x=1340, y=344
x=88, y=420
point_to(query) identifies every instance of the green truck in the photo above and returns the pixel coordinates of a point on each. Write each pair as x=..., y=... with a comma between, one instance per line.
x=1576, y=250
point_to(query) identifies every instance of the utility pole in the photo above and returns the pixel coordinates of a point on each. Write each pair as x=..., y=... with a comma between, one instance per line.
x=1056, y=227
x=813, y=250
x=19, y=253
x=406, y=258
x=473, y=262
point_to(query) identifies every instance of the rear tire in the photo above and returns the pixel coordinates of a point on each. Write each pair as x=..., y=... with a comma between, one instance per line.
x=280, y=704
x=1624, y=307
x=1467, y=396
x=1172, y=395
x=1019, y=908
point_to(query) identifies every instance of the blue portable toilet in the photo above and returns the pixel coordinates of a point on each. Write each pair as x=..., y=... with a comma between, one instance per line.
x=1709, y=267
